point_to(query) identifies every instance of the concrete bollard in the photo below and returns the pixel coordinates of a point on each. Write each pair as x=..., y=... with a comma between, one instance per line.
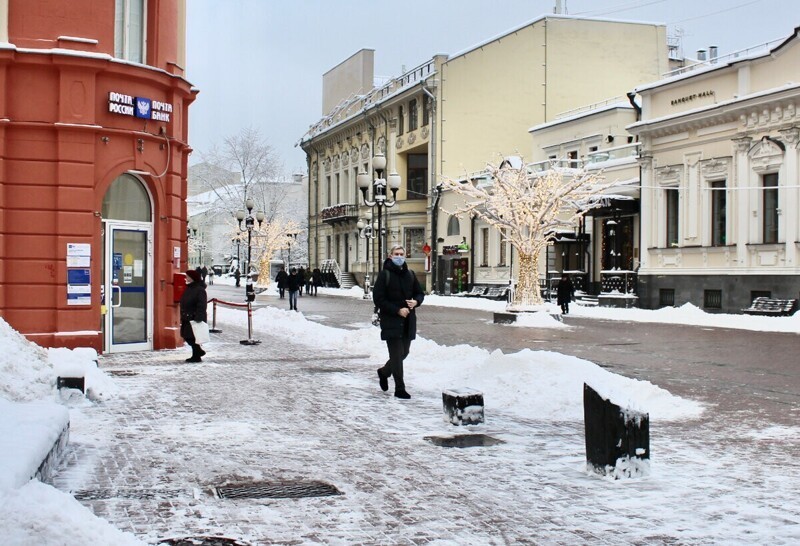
x=617, y=439
x=463, y=406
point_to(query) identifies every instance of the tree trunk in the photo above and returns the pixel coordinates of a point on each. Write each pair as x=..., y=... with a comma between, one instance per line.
x=527, y=293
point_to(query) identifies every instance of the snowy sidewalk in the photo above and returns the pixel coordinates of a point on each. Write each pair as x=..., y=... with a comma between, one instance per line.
x=288, y=411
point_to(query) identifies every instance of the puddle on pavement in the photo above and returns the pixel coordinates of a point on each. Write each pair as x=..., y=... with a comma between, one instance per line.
x=464, y=440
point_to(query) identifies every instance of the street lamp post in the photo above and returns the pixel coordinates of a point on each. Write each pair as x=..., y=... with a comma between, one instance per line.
x=379, y=198
x=250, y=293
x=291, y=239
x=367, y=231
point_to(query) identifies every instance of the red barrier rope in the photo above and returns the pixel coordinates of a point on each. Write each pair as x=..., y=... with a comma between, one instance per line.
x=216, y=301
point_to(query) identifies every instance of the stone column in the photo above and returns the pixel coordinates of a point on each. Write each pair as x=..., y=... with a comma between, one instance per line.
x=740, y=233
x=648, y=209
x=791, y=202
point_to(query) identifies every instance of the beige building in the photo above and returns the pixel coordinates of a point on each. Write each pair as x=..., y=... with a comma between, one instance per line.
x=720, y=197
x=603, y=250
x=449, y=117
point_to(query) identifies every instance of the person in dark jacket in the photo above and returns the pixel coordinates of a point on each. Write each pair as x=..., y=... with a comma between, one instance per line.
x=316, y=279
x=193, y=308
x=238, y=276
x=301, y=279
x=281, y=279
x=397, y=293
x=293, y=283
x=564, y=292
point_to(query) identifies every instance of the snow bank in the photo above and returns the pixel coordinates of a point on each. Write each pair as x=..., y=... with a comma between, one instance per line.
x=25, y=373
x=82, y=362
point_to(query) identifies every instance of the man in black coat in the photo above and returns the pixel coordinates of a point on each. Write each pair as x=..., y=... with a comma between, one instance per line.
x=193, y=308
x=281, y=279
x=564, y=292
x=293, y=284
x=397, y=293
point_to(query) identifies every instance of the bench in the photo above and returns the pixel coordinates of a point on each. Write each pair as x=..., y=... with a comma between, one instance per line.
x=496, y=293
x=476, y=291
x=771, y=307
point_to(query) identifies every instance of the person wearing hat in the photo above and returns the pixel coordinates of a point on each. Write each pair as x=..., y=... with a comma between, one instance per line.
x=193, y=307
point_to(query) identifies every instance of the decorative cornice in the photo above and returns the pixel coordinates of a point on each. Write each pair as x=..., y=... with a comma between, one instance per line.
x=790, y=136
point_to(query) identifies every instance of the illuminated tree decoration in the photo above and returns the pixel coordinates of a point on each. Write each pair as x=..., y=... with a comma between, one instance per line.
x=268, y=238
x=531, y=208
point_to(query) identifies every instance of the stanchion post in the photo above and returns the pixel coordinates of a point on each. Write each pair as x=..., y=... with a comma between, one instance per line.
x=250, y=340
x=214, y=329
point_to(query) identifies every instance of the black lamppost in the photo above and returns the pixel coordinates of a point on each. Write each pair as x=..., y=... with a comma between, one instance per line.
x=612, y=233
x=250, y=293
x=367, y=230
x=379, y=185
x=291, y=239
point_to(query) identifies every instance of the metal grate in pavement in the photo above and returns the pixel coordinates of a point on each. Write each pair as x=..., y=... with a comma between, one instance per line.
x=138, y=494
x=122, y=373
x=464, y=440
x=277, y=490
x=321, y=369
x=202, y=541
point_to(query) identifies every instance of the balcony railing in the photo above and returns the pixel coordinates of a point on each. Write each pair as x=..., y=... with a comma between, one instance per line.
x=339, y=213
x=620, y=281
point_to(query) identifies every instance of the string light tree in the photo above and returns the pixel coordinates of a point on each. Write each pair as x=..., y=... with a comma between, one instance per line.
x=530, y=208
x=272, y=237
x=379, y=199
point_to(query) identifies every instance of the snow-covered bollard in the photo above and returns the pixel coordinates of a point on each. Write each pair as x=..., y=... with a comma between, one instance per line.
x=617, y=439
x=463, y=406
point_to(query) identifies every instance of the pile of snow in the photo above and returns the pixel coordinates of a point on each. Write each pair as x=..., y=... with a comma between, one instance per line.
x=25, y=373
x=82, y=362
x=530, y=384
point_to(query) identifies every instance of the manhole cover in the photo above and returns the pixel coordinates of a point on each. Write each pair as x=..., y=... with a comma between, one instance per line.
x=203, y=541
x=277, y=490
x=464, y=440
x=139, y=494
x=325, y=370
x=122, y=373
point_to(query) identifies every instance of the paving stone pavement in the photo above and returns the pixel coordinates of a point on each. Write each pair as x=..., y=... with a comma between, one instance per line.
x=148, y=461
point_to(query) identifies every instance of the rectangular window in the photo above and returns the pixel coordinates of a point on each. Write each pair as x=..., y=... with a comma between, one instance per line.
x=414, y=241
x=592, y=149
x=417, y=176
x=672, y=216
x=503, y=252
x=401, y=120
x=769, y=212
x=484, y=247
x=328, y=247
x=666, y=297
x=760, y=294
x=328, y=191
x=412, y=115
x=129, y=35
x=712, y=299
x=426, y=106
x=337, y=190
x=718, y=213
x=573, y=159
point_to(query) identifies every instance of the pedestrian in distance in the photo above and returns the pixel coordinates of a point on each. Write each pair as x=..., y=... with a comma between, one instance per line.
x=564, y=292
x=309, y=280
x=281, y=278
x=211, y=276
x=397, y=293
x=293, y=283
x=316, y=279
x=238, y=276
x=301, y=277
x=204, y=273
x=193, y=308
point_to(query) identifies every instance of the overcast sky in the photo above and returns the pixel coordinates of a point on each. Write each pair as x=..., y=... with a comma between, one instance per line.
x=259, y=63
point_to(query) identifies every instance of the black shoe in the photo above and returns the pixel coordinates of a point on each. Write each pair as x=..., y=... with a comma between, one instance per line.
x=202, y=353
x=193, y=359
x=402, y=394
x=383, y=381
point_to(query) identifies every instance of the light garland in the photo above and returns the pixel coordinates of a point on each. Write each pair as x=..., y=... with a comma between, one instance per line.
x=531, y=208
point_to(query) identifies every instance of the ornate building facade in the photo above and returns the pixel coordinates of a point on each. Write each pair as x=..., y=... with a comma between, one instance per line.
x=93, y=162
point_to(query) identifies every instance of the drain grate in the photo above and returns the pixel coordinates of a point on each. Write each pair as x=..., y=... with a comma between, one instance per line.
x=464, y=440
x=277, y=490
x=325, y=370
x=202, y=541
x=138, y=494
x=122, y=373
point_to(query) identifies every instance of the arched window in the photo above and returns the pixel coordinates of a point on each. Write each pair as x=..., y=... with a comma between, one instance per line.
x=453, y=226
x=127, y=199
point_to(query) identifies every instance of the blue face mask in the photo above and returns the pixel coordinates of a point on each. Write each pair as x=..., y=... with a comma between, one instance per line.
x=398, y=260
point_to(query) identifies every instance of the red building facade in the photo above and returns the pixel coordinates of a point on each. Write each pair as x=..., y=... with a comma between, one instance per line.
x=93, y=165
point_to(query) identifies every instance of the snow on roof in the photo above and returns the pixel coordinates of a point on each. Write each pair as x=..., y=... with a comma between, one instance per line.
x=583, y=113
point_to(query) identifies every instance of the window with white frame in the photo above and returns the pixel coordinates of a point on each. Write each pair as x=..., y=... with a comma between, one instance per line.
x=453, y=226
x=129, y=30
x=769, y=208
x=672, y=216
x=414, y=238
x=503, y=252
x=328, y=190
x=484, y=247
x=719, y=212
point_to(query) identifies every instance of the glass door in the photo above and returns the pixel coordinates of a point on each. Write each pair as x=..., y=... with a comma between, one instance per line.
x=128, y=287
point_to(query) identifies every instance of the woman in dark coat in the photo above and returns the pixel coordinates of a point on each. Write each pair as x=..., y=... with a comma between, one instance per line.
x=316, y=279
x=193, y=308
x=564, y=293
x=397, y=293
x=281, y=279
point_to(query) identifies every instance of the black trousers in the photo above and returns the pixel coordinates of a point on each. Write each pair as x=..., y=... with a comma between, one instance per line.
x=398, y=351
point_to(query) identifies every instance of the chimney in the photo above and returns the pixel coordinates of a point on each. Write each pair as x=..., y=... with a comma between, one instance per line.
x=701, y=54
x=712, y=53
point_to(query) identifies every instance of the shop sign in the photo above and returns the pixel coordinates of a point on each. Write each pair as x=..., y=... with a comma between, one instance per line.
x=140, y=107
x=449, y=250
x=79, y=275
x=693, y=96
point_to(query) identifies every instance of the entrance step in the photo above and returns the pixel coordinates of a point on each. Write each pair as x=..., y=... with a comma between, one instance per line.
x=347, y=281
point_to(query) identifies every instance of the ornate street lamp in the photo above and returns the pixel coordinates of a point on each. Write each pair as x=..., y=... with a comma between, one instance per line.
x=367, y=231
x=379, y=197
x=250, y=293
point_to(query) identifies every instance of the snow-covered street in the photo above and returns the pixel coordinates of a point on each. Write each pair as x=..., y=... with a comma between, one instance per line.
x=305, y=406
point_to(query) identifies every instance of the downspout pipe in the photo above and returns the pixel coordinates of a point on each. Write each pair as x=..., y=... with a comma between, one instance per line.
x=631, y=98
x=436, y=188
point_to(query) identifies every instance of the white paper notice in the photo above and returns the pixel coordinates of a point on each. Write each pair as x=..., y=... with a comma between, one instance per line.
x=138, y=268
